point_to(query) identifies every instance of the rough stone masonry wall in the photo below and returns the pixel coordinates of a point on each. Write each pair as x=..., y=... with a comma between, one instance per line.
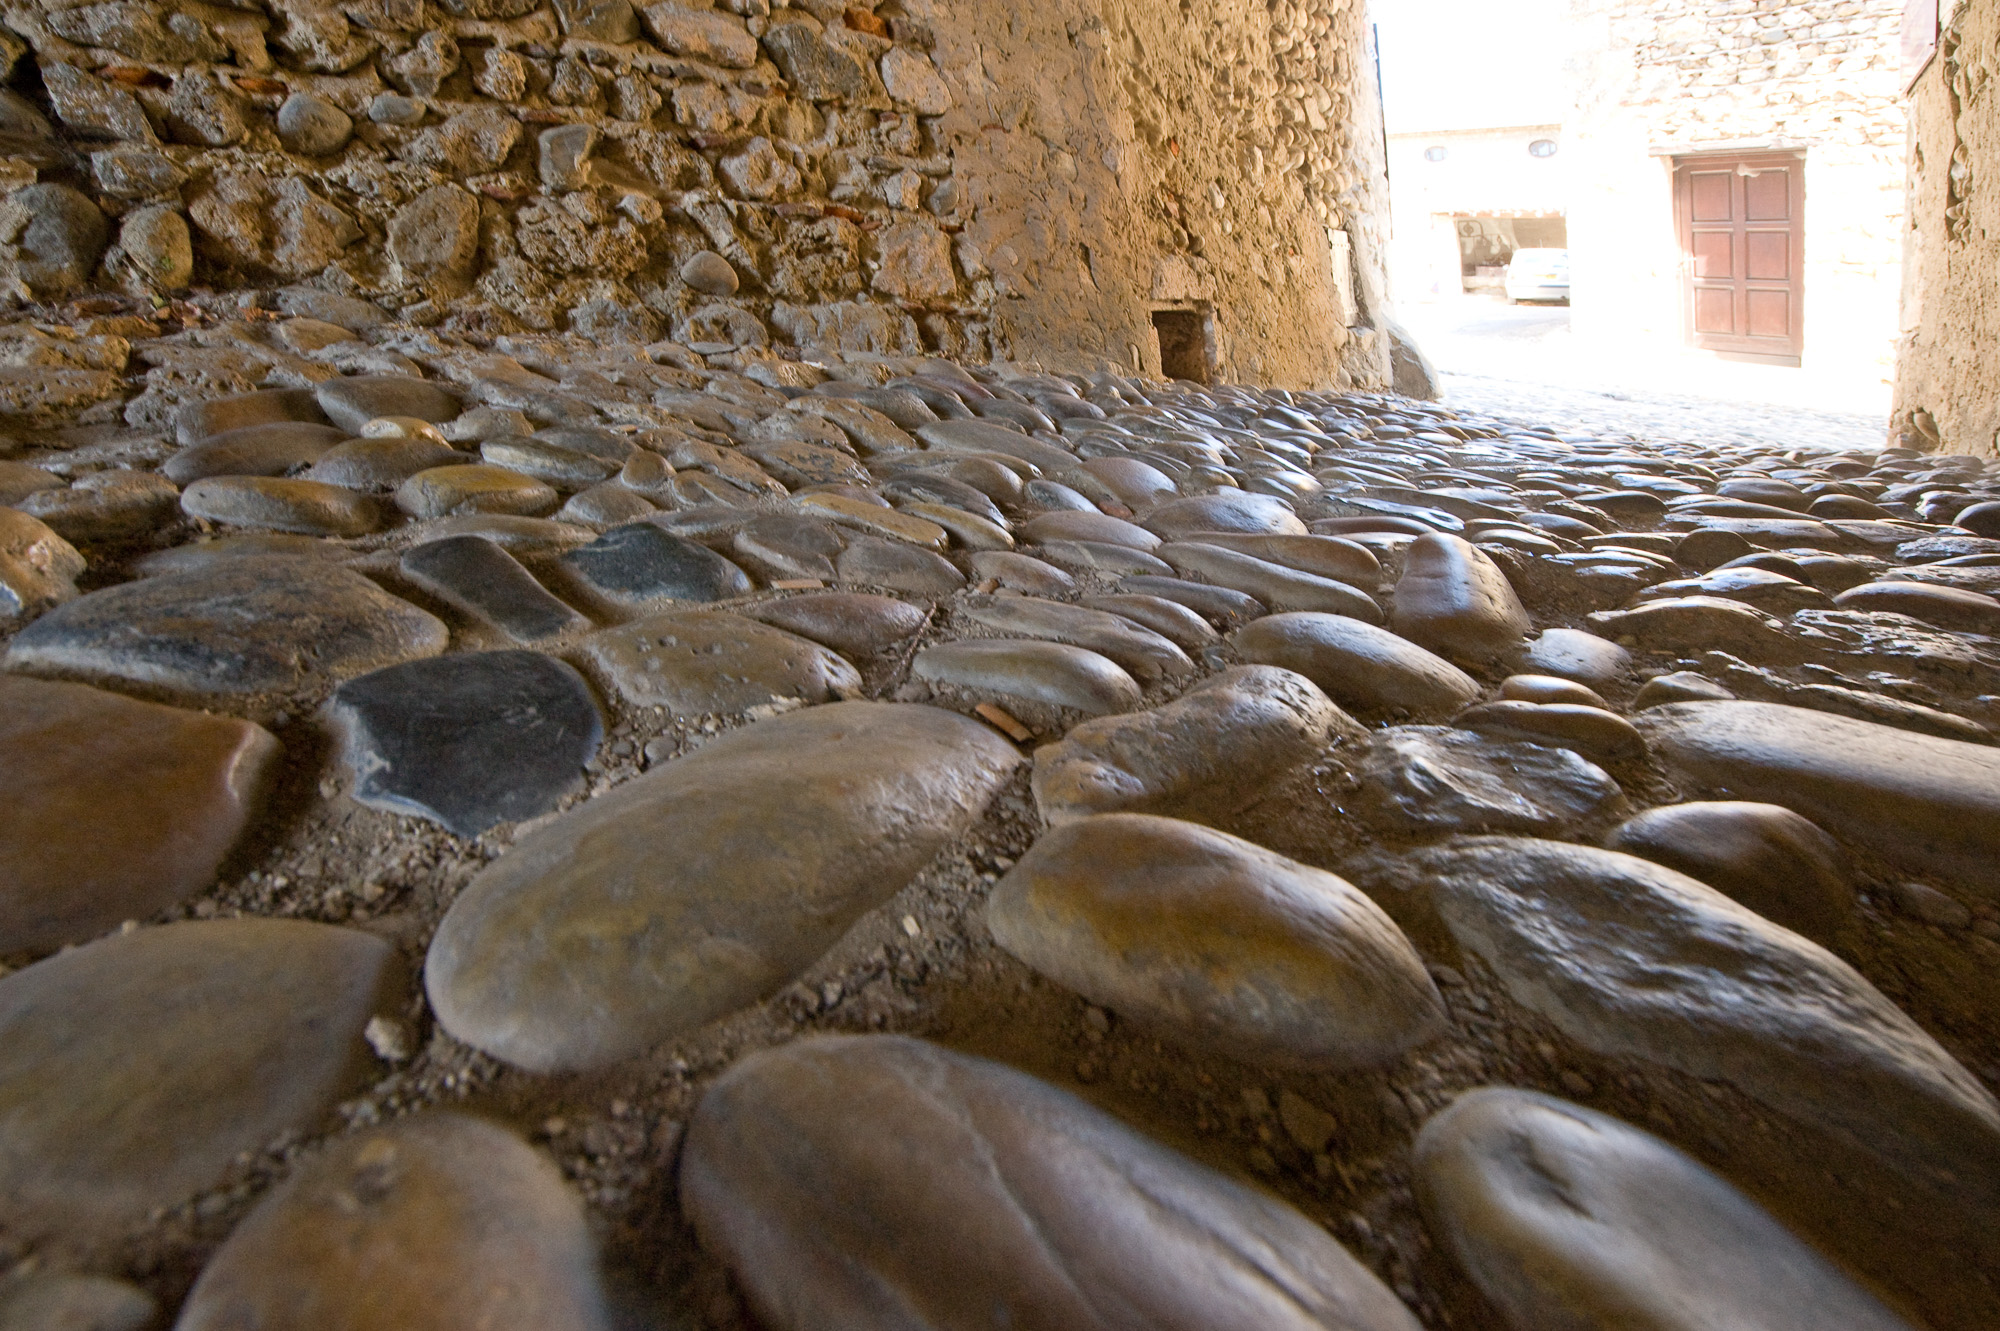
x=1659, y=77
x=980, y=180
x=1948, y=363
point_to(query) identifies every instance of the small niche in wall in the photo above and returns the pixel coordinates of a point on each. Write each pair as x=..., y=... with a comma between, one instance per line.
x=1184, y=337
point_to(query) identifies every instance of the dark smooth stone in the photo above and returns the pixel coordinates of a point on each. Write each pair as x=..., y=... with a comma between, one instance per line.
x=880, y=1181
x=268, y=624
x=638, y=564
x=254, y=450
x=855, y=624
x=1982, y=519
x=784, y=545
x=477, y=576
x=469, y=740
x=354, y=401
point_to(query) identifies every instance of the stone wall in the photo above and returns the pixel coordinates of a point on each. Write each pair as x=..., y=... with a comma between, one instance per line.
x=1660, y=78
x=1948, y=364
x=982, y=180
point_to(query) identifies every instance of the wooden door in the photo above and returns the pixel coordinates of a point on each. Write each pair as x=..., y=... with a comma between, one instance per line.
x=1741, y=221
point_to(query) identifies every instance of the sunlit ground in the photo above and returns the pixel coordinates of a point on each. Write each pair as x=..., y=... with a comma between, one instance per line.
x=1513, y=359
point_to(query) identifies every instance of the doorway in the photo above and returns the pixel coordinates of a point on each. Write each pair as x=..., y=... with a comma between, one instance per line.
x=1741, y=222
x=1184, y=339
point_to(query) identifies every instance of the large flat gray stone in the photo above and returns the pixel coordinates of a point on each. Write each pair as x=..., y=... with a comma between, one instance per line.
x=274, y=624
x=704, y=885
x=1925, y=802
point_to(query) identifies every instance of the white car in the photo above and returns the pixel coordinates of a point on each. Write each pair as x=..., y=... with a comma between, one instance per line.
x=1538, y=275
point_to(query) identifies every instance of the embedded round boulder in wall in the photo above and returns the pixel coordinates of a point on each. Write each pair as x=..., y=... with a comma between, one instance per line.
x=996, y=1200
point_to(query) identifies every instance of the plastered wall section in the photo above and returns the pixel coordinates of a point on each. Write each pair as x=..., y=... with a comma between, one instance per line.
x=978, y=179
x=1948, y=367
x=1659, y=80
x=1124, y=157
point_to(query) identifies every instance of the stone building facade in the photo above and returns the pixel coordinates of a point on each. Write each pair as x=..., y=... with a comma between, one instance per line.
x=979, y=180
x=1948, y=367
x=1471, y=197
x=1667, y=90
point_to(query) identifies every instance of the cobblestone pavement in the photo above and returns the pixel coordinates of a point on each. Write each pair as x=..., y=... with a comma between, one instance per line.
x=560, y=834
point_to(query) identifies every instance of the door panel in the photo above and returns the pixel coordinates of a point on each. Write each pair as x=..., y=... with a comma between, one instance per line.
x=1769, y=256
x=1712, y=251
x=1741, y=220
x=1770, y=313
x=1714, y=310
x=1767, y=196
x=1712, y=191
